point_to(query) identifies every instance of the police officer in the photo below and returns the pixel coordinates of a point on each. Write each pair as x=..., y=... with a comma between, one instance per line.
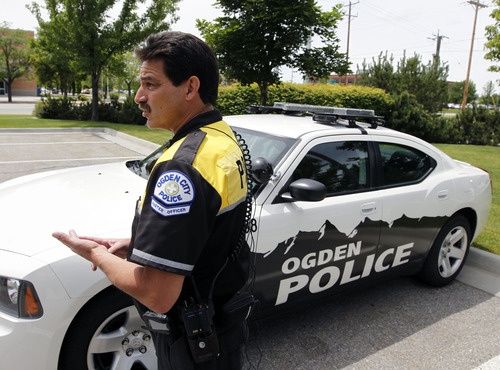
x=184, y=248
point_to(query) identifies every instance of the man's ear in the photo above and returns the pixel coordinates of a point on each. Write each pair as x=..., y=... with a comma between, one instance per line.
x=192, y=87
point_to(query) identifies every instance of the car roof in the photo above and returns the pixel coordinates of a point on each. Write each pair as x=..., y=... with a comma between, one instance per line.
x=301, y=126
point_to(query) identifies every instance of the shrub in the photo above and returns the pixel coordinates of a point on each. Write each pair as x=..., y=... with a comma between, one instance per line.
x=130, y=113
x=479, y=126
x=57, y=108
x=234, y=99
x=84, y=111
x=409, y=116
x=70, y=108
x=444, y=130
x=115, y=99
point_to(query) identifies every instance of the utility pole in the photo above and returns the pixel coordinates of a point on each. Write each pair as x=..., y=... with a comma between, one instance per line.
x=438, y=39
x=478, y=5
x=348, y=35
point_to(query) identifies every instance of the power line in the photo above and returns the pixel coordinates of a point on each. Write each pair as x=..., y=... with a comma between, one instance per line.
x=386, y=16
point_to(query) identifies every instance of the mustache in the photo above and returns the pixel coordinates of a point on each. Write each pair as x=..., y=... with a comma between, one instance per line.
x=145, y=106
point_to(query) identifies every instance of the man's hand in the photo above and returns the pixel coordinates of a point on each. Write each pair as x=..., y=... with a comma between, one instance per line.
x=85, y=247
x=118, y=247
x=156, y=289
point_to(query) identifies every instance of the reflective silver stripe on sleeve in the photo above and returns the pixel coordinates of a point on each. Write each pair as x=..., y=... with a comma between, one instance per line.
x=232, y=206
x=162, y=261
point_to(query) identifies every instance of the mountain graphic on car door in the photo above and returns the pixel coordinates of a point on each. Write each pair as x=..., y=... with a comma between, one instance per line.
x=319, y=263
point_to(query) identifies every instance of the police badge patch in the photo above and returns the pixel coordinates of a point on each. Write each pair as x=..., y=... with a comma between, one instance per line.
x=173, y=189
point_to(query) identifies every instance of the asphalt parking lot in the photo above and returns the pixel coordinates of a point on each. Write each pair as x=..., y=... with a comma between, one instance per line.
x=401, y=324
x=34, y=150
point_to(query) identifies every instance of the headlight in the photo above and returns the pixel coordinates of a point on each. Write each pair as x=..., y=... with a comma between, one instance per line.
x=18, y=298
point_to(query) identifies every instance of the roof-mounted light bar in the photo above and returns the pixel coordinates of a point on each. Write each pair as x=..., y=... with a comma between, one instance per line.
x=320, y=113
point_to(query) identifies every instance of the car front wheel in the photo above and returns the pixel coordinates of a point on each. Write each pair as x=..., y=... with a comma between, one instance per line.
x=107, y=334
x=448, y=253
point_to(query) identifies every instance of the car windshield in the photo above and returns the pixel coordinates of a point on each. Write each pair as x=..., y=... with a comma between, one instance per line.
x=267, y=146
x=260, y=144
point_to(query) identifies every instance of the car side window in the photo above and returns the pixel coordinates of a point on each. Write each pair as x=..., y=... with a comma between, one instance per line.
x=340, y=166
x=402, y=164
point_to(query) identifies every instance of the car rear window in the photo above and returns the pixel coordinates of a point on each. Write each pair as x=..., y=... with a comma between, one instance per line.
x=404, y=165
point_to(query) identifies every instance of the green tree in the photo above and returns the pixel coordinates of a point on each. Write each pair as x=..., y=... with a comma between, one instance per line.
x=92, y=37
x=493, y=37
x=432, y=91
x=254, y=38
x=52, y=63
x=409, y=116
x=380, y=74
x=488, y=94
x=456, y=94
x=127, y=69
x=428, y=83
x=14, y=56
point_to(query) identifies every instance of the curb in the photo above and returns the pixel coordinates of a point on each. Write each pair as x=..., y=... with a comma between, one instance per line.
x=484, y=260
x=482, y=271
x=130, y=142
x=20, y=99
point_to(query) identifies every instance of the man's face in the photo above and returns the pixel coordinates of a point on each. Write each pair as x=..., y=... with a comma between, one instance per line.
x=160, y=101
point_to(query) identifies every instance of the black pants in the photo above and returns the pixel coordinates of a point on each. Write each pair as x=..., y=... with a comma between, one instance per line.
x=174, y=354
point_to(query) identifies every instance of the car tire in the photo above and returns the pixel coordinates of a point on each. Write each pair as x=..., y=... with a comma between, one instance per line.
x=448, y=253
x=107, y=334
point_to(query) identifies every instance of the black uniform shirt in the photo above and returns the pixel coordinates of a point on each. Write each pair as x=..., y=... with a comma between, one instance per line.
x=193, y=208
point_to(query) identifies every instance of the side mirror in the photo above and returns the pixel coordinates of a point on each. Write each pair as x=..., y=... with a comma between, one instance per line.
x=305, y=190
x=262, y=170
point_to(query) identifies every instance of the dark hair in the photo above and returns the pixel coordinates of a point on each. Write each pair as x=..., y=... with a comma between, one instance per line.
x=184, y=55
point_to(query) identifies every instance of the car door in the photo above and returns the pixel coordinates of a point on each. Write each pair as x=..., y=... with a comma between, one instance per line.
x=309, y=249
x=414, y=203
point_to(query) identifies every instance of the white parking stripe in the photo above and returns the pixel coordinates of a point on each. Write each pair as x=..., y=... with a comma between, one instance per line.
x=57, y=143
x=54, y=131
x=69, y=159
x=493, y=364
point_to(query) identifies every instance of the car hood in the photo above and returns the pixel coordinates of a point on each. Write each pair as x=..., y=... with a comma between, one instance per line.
x=95, y=200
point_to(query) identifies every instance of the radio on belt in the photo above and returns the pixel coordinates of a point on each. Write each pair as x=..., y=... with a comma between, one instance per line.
x=202, y=338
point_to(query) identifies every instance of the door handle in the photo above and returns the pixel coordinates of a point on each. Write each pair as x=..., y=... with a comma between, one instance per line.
x=443, y=195
x=368, y=208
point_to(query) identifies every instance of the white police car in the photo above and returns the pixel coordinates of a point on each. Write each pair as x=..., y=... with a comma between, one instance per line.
x=338, y=204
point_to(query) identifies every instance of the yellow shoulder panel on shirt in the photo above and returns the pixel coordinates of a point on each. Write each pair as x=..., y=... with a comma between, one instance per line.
x=220, y=161
x=229, y=175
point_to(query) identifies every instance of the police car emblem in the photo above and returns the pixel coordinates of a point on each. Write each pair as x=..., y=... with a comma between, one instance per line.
x=173, y=189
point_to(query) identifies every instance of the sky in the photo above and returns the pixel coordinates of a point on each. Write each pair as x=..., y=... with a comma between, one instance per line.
x=393, y=26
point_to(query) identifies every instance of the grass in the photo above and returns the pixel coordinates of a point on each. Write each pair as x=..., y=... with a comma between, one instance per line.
x=450, y=110
x=140, y=131
x=486, y=157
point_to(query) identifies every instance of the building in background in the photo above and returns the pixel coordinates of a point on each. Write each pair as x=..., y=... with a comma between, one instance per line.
x=351, y=79
x=22, y=86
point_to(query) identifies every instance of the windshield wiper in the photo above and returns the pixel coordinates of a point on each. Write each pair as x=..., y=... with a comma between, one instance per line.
x=143, y=167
